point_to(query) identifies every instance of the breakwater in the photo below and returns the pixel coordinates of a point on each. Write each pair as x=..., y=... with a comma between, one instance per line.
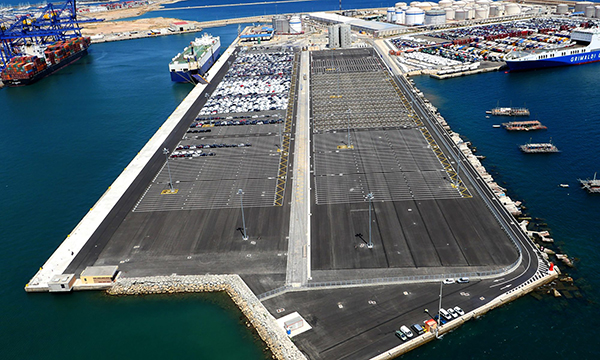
x=273, y=335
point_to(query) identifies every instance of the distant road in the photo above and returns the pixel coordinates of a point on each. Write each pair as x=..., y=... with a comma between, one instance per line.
x=239, y=4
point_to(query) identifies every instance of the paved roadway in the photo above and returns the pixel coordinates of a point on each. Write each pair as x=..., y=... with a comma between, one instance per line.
x=298, y=265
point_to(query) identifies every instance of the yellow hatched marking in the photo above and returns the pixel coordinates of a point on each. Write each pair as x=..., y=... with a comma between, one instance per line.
x=168, y=191
x=285, y=144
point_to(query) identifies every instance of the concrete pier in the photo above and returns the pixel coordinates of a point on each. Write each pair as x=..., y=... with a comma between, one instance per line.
x=75, y=241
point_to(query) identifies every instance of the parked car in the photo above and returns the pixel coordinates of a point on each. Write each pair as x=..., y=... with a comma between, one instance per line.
x=462, y=280
x=401, y=335
x=452, y=313
x=449, y=281
x=409, y=334
x=445, y=315
x=459, y=311
x=418, y=329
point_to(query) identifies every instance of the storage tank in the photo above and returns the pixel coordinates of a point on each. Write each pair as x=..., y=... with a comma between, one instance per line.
x=512, y=9
x=562, y=9
x=400, y=16
x=460, y=4
x=390, y=14
x=281, y=25
x=435, y=17
x=482, y=3
x=460, y=15
x=445, y=3
x=581, y=5
x=470, y=12
x=415, y=16
x=400, y=5
x=597, y=13
x=494, y=11
x=590, y=11
x=414, y=3
x=449, y=13
x=425, y=6
x=295, y=25
x=481, y=13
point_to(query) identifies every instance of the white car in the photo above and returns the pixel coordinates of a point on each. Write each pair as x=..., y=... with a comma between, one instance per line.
x=459, y=311
x=462, y=280
x=452, y=313
x=406, y=331
x=445, y=314
x=449, y=281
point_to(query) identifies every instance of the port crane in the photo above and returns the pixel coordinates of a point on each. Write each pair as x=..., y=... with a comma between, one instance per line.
x=45, y=25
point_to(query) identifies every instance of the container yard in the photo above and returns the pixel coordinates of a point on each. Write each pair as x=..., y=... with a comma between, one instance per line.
x=462, y=50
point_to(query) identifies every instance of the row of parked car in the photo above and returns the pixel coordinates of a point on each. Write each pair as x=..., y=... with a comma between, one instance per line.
x=208, y=146
x=405, y=333
x=207, y=123
x=190, y=154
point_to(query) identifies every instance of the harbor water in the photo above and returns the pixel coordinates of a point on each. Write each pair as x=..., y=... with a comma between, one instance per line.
x=67, y=137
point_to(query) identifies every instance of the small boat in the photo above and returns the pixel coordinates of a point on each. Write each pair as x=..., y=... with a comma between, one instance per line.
x=591, y=186
x=487, y=116
x=564, y=185
x=496, y=125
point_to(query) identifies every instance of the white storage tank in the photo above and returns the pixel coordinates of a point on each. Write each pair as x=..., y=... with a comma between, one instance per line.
x=470, y=13
x=460, y=15
x=494, y=11
x=435, y=17
x=581, y=5
x=425, y=6
x=597, y=13
x=400, y=16
x=445, y=3
x=512, y=9
x=295, y=25
x=400, y=5
x=481, y=13
x=415, y=3
x=562, y=9
x=460, y=4
x=390, y=14
x=483, y=2
x=590, y=11
x=415, y=16
x=450, y=13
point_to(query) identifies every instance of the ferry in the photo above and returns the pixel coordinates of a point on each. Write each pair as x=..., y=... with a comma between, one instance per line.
x=195, y=60
x=584, y=48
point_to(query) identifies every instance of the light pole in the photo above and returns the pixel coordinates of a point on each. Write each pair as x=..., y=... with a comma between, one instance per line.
x=166, y=152
x=370, y=198
x=348, y=112
x=439, y=311
x=241, y=193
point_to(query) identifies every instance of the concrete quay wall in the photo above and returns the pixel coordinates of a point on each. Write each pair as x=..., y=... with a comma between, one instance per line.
x=497, y=302
x=270, y=332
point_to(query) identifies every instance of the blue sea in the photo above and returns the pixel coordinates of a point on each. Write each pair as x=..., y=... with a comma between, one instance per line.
x=65, y=139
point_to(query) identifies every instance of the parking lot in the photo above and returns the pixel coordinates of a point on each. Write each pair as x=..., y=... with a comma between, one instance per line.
x=421, y=222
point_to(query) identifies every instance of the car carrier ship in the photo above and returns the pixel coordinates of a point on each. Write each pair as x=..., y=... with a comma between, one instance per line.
x=584, y=48
x=195, y=60
x=42, y=61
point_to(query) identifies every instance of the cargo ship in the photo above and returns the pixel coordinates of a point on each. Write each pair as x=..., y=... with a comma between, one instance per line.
x=508, y=111
x=538, y=148
x=27, y=69
x=584, y=48
x=195, y=60
x=591, y=186
x=524, y=125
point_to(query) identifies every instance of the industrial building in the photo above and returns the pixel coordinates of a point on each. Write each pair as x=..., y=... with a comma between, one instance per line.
x=339, y=36
x=375, y=28
x=182, y=26
x=61, y=283
x=99, y=274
